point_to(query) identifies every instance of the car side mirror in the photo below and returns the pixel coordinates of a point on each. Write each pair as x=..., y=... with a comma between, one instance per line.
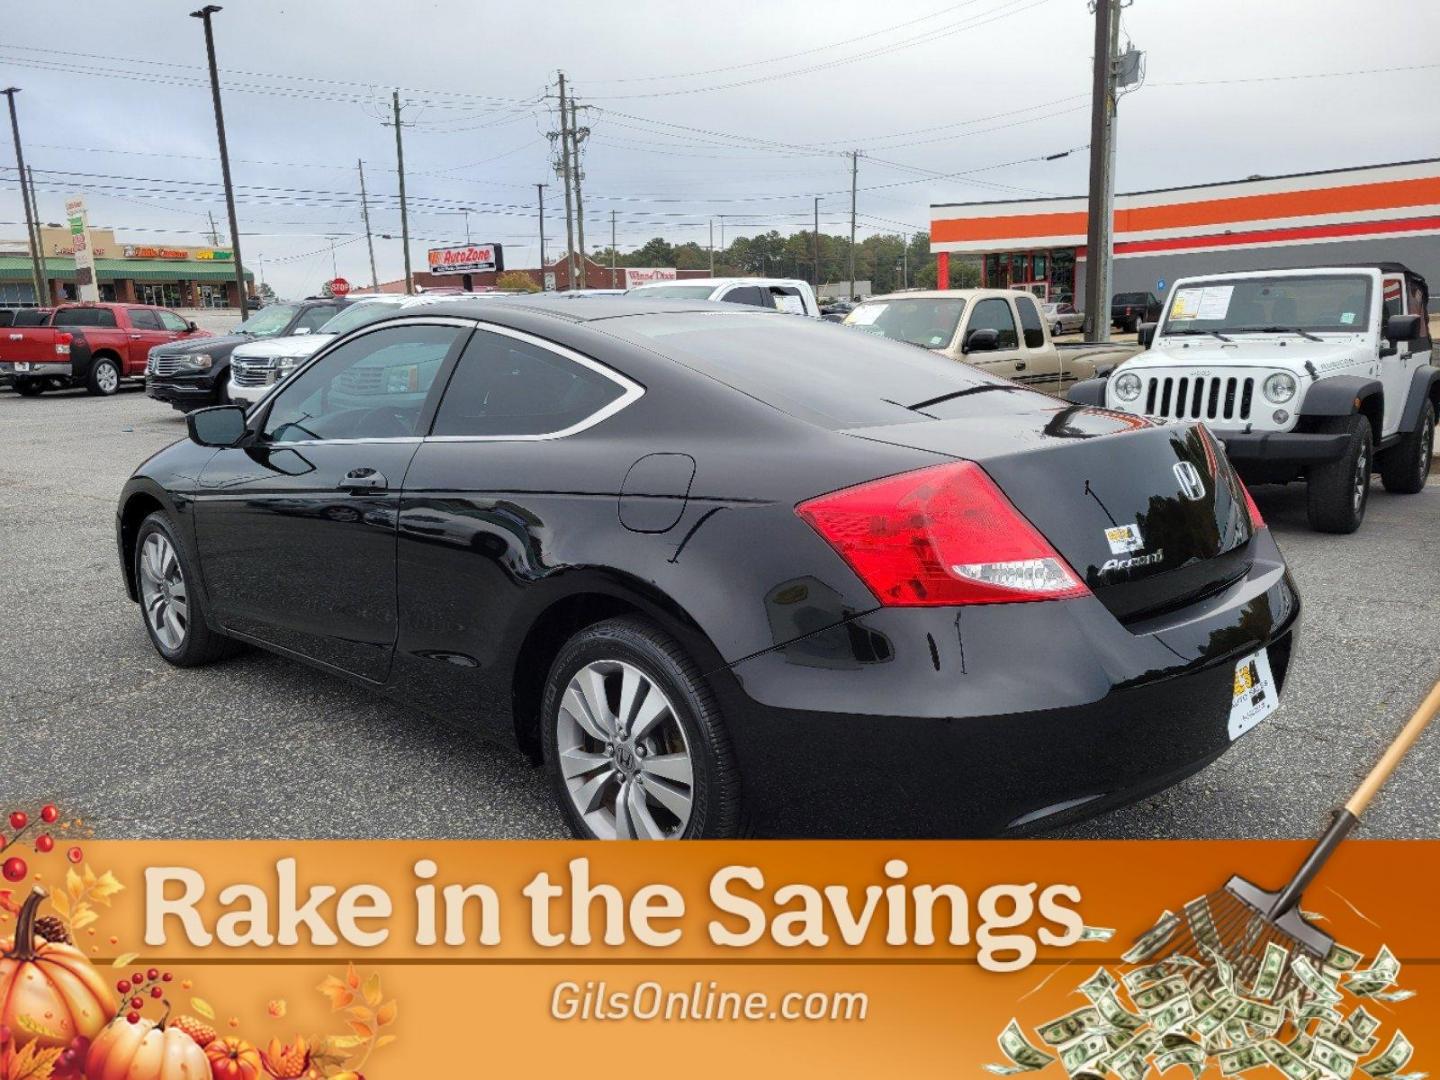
x=981, y=340
x=220, y=426
x=1145, y=334
x=1402, y=328
x=190, y=327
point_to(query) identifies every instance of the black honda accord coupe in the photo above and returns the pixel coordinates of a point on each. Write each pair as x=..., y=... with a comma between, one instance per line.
x=726, y=571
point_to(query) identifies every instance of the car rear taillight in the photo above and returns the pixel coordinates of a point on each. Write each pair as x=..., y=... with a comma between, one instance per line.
x=62, y=344
x=941, y=536
x=1257, y=522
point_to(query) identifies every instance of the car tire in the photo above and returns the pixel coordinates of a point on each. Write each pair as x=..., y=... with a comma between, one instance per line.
x=1056, y=330
x=1405, y=467
x=1339, y=491
x=170, y=607
x=606, y=772
x=29, y=387
x=104, y=378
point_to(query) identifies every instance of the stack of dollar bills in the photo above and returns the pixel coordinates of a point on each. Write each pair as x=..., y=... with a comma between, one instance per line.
x=1196, y=1012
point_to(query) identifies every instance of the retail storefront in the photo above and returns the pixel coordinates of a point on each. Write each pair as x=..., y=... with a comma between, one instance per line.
x=1387, y=213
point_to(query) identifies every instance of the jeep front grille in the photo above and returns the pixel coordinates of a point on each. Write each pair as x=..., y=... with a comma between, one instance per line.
x=1199, y=397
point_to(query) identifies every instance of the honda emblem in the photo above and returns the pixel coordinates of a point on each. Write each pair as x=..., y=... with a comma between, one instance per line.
x=1192, y=485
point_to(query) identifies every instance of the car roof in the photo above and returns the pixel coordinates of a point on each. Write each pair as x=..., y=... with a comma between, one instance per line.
x=945, y=294
x=595, y=308
x=716, y=282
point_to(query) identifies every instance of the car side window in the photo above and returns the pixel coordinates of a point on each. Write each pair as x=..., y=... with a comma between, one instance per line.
x=993, y=313
x=313, y=318
x=84, y=316
x=787, y=298
x=749, y=294
x=141, y=319
x=1030, y=322
x=372, y=387
x=504, y=386
x=172, y=322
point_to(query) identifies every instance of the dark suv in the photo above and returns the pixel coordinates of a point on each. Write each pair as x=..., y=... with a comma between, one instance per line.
x=192, y=375
x=1129, y=309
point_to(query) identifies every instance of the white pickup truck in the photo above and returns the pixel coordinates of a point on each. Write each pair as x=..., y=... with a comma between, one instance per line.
x=1002, y=331
x=783, y=294
x=1322, y=374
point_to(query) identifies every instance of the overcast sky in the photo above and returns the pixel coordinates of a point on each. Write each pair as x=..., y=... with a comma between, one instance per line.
x=696, y=110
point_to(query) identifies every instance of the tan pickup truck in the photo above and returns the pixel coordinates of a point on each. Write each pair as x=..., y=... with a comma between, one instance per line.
x=1001, y=331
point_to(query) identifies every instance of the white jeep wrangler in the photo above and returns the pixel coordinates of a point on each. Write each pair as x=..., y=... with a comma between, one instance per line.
x=1323, y=374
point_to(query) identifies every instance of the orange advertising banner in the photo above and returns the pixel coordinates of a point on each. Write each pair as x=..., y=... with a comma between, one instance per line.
x=416, y=958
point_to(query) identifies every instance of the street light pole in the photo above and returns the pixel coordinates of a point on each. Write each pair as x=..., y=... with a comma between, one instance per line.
x=32, y=224
x=204, y=15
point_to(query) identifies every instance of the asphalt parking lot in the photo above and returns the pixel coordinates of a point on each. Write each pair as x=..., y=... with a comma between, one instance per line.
x=260, y=747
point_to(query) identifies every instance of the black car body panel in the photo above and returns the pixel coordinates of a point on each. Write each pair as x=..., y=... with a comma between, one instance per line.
x=445, y=589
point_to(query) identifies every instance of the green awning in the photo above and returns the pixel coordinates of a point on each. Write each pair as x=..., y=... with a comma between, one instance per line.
x=62, y=268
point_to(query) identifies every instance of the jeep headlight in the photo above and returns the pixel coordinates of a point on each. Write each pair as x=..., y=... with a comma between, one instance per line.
x=1127, y=386
x=199, y=361
x=1279, y=388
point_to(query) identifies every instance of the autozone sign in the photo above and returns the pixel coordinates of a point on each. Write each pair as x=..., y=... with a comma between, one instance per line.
x=469, y=259
x=635, y=275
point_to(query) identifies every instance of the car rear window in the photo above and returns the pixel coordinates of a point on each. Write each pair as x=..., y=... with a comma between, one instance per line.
x=1130, y=298
x=821, y=372
x=84, y=316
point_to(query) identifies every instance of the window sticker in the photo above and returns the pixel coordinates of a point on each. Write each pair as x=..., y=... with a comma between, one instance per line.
x=791, y=304
x=866, y=314
x=1347, y=317
x=1186, y=304
x=1215, y=302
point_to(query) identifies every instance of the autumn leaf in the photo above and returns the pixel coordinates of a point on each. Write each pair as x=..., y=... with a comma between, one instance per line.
x=124, y=959
x=35, y=1027
x=386, y=1013
x=7, y=902
x=384, y=1040
x=88, y=876
x=343, y=1042
x=365, y=1031
x=203, y=1007
x=83, y=917
x=361, y=1013
x=277, y=1008
x=372, y=989
x=105, y=887
x=73, y=884
x=352, y=977
x=339, y=994
x=33, y=1063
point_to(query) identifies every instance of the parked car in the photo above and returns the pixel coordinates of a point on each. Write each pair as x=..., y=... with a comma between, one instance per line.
x=97, y=346
x=1321, y=374
x=256, y=367
x=191, y=376
x=1129, y=309
x=793, y=296
x=1063, y=318
x=716, y=568
x=1000, y=331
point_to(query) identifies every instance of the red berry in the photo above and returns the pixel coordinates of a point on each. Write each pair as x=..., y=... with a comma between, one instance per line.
x=44, y=843
x=166, y=977
x=75, y=854
x=138, y=978
x=15, y=869
x=49, y=813
x=19, y=819
x=133, y=1017
x=137, y=1003
x=123, y=986
x=157, y=992
x=152, y=974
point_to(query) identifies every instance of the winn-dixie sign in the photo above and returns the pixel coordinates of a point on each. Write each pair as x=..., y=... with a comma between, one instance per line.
x=470, y=259
x=636, y=275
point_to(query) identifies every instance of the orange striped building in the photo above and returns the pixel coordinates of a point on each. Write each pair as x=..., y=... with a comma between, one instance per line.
x=1380, y=212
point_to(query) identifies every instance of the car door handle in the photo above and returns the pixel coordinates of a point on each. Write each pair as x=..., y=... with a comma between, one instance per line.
x=1019, y=365
x=135, y=337
x=363, y=481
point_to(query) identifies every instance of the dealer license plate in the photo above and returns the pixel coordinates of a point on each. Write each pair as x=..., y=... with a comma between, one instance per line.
x=1253, y=693
x=22, y=366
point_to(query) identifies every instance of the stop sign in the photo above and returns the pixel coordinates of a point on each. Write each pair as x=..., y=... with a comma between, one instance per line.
x=339, y=287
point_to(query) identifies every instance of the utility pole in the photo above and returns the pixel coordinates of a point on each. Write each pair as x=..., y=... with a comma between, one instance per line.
x=540, y=198
x=816, y=238
x=32, y=226
x=575, y=139
x=365, y=213
x=1099, y=239
x=854, y=175
x=466, y=211
x=712, y=245
x=569, y=203
x=404, y=214
x=613, y=250
x=39, y=221
x=905, y=261
x=204, y=15
x=214, y=236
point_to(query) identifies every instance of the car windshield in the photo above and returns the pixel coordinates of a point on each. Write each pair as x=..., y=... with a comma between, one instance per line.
x=930, y=323
x=1329, y=302
x=267, y=322
x=675, y=292
x=358, y=315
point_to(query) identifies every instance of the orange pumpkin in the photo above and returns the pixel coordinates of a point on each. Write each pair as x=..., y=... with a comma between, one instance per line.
x=233, y=1059
x=145, y=1051
x=50, y=985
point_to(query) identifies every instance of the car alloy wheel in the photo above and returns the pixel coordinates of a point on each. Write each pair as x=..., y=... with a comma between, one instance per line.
x=624, y=756
x=107, y=378
x=1427, y=448
x=163, y=592
x=1362, y=480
